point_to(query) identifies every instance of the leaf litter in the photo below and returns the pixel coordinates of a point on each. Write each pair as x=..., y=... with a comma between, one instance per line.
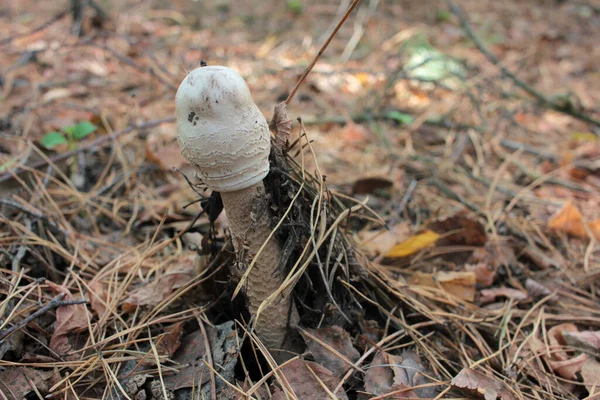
x=480, y=265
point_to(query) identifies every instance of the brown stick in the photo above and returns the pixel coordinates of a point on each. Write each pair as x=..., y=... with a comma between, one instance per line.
x=54, y=303
x=323, y=48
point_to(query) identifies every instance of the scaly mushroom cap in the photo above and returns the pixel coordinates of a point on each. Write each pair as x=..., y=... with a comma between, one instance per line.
x=220, y=130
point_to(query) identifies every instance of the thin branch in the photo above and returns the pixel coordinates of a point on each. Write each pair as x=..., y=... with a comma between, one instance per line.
x=54, y=303
x=86, y=146
x=43, y=26
x=323, y=48
x=566, y=109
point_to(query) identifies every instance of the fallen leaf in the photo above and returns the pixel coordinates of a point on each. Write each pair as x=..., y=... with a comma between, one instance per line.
x=323, y=343
x=156, y=291
x=18, y=382
x=163, y=150
x=376, y=243
x=568, y=368
x=489, y=388
x=413, y=245
x=353, y=133
x=589, y=340
x=169, y=343
x=556, y=355
x=484, y=273
x=98, y=298
x=460, y=230
x=386, y=375
x=536, y=290
x=72, y=318
x=489, y=295
x=590, y=372
x=371, y=185
x=191, y=357
x=594, y=227
x=459, y=284
x=304, y=376
x=569, y=220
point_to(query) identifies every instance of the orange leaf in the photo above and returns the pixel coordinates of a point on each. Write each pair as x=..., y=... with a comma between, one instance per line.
x=413, y=244
x=568, y=219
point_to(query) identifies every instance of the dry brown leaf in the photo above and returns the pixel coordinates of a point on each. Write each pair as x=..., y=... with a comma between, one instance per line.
x=157, y=290
x=536, y=290
x=386, y=374
x=590, y=372
x=163, y=150
x=72, y=318
x=489, y=388
x=98, y=298
x=371, y=184
x=484, y=273
x=460, y=230
x=191, y=357
x=304, y=383
x=562, y=363
x=568, y=368
x=334, y=338
x=459, y=284
x=168, y=345
x=589, y=340
x=353, y=133
x=569, y=220
x=376, y=243
x=17, y=382
x=489, y=295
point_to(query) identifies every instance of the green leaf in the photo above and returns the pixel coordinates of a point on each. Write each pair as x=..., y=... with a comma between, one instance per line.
x=295, y=6
x=53, y=139
x=82, y=129
x=400, y=117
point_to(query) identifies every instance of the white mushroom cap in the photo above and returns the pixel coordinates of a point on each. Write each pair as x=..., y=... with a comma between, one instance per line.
x=221, y=132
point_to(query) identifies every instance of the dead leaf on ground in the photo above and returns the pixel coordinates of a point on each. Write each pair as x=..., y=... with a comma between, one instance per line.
x=17, y=382
x=459, y=230
x=182, y=271
x=191, y=357
x=563, y=363
x=98, y=298
x=570, y=220
x=323, y=343
x=72, y=318
x=370, y=185
x=413, y=244
x=306, y=379
x=169, y=343
x=590, y=372
x=391, y=373
x=379, y=242
x=487, y=387
x=484, y=273
x=353, y=133
x=163, y=150
x=459, y=284
x=588, y=340
x=489, y=295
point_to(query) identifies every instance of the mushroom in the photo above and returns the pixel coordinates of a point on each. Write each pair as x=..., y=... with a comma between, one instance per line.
x=222, y=133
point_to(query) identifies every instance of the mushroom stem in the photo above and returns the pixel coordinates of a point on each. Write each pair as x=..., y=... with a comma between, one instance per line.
x=249, y=217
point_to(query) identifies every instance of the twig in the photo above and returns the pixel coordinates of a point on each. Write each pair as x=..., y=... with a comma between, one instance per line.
x=54, y=303
x=43, y=26
x=566, y=109
x=35, y=214
x=322, y=50
x=85, y=146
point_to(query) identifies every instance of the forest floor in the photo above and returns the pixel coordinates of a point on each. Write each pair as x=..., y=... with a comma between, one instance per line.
x=477, y=185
